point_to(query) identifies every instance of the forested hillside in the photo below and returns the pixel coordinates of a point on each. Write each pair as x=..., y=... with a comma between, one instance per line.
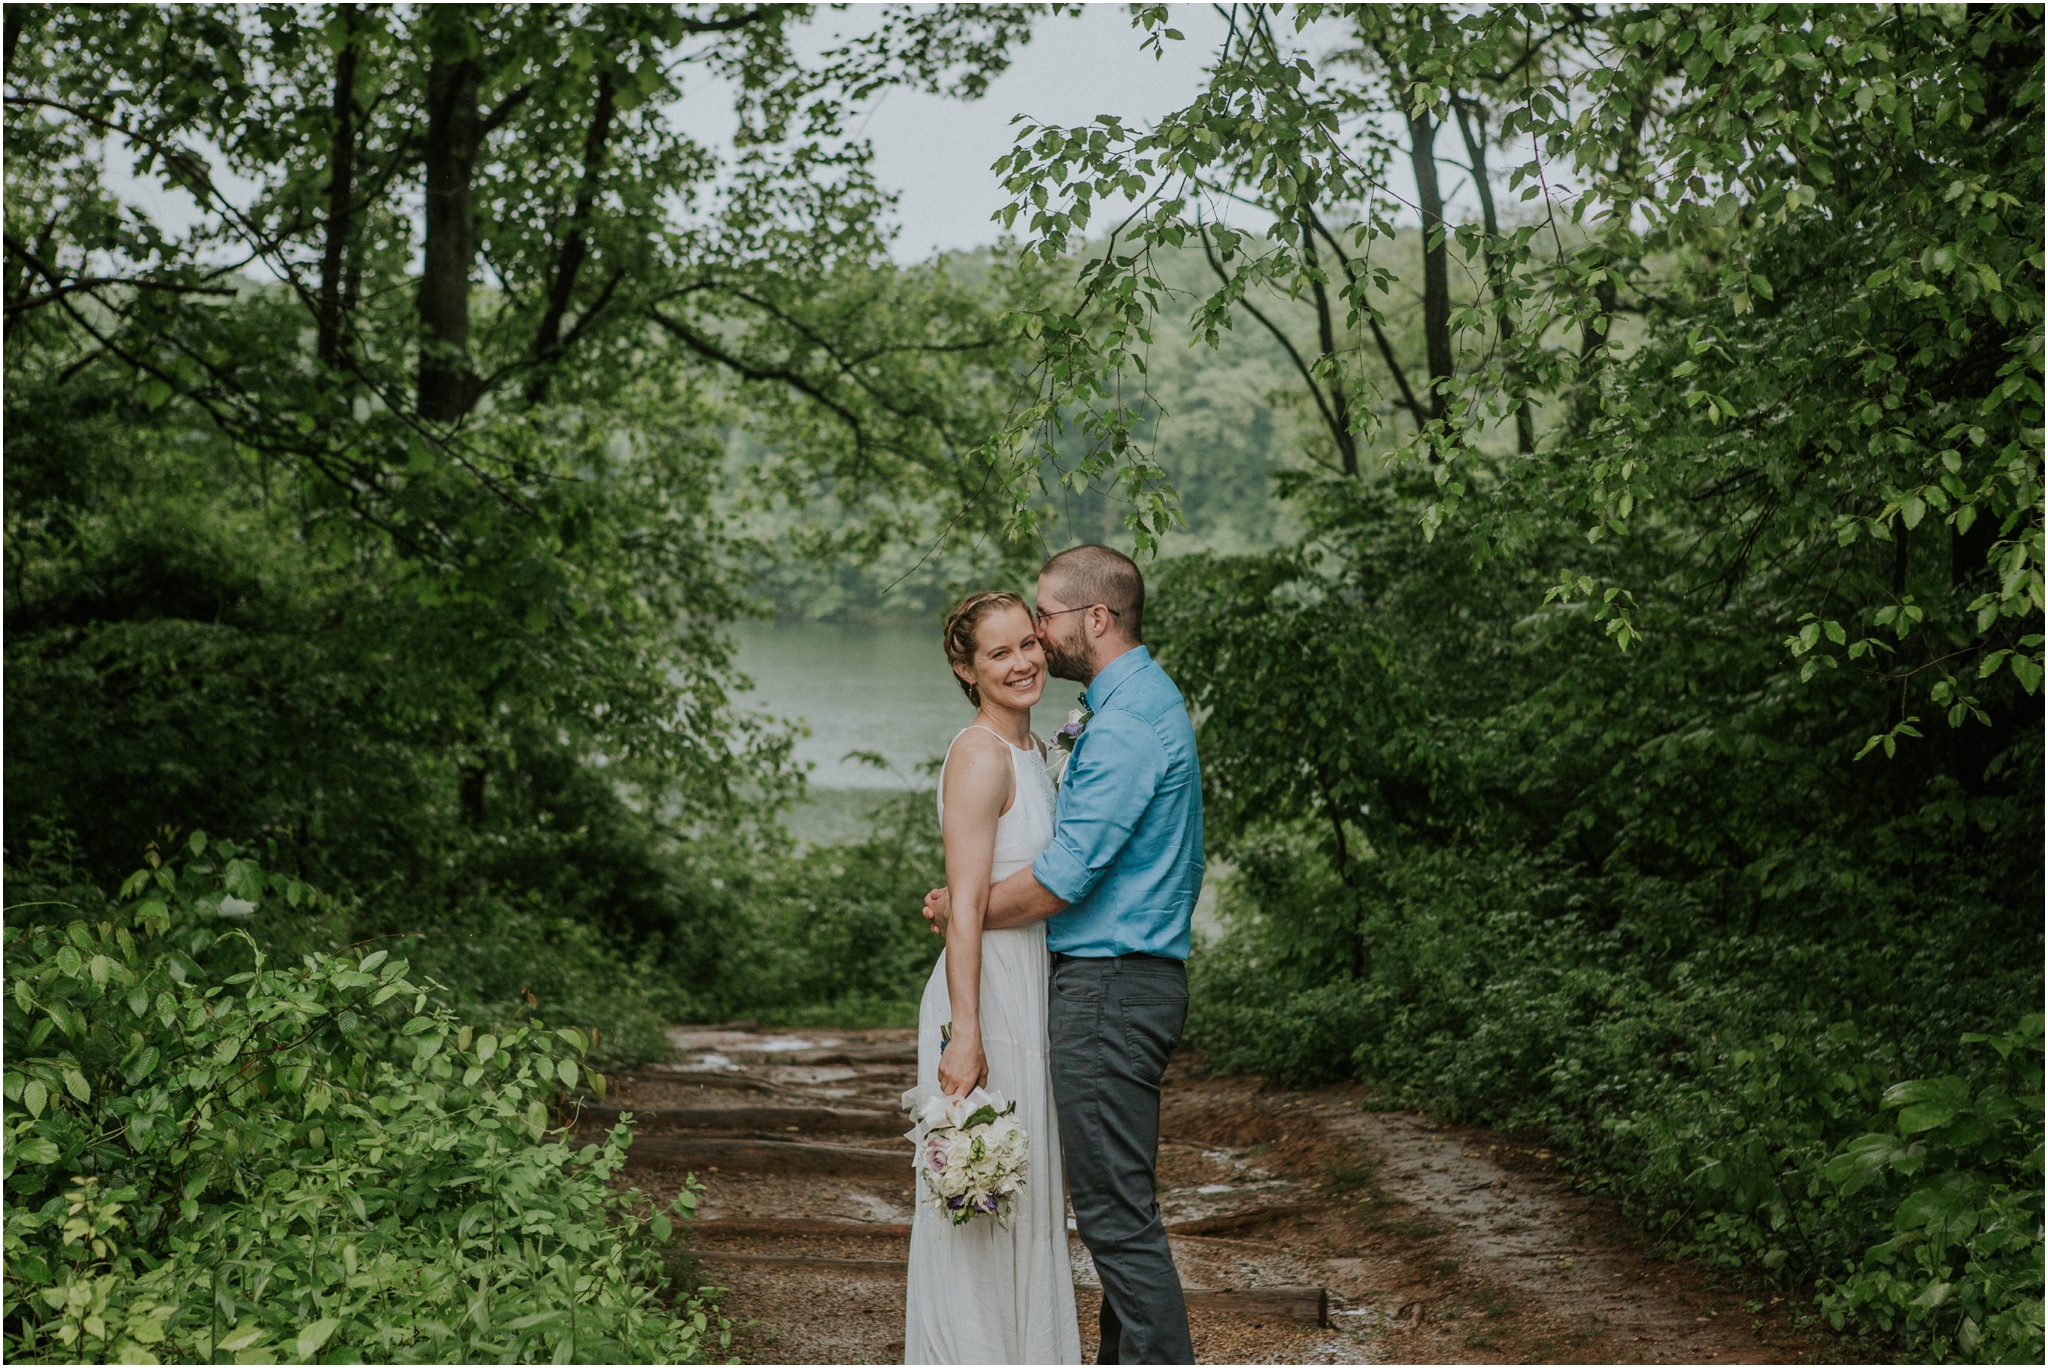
x=1614, y=615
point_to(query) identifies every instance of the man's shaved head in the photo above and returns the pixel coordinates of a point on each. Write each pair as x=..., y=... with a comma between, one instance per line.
x=1084, y=575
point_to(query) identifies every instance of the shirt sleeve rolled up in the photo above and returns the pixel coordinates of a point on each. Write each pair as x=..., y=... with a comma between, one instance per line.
x=1117, y=766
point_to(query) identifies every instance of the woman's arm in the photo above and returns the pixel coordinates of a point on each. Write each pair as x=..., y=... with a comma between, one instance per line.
x=978, y=782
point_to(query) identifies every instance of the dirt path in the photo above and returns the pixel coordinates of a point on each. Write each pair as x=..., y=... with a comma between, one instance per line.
x=1306, y=1229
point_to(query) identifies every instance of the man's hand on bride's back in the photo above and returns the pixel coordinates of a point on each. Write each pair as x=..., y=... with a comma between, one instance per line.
x=938, y=910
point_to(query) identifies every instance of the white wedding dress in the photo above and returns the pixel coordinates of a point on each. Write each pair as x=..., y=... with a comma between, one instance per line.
x=979, y=1293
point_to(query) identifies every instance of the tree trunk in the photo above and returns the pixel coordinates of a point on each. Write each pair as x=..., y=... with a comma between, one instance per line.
x=454, y=132
x=470, y=792
x=1593, y=333
x=547, y=346
x=1361, y=948
x=1475, y=149
x=1436, y=275
x=340, y=187
x=1326, y=335
x=1969, y=553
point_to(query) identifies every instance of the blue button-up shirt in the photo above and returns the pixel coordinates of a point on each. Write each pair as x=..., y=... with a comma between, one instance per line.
x=1126, y=855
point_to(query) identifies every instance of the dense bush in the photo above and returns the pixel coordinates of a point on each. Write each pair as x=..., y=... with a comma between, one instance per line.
x=830, y=935
x=1823, y=1109
x=1653, y=906
x=216, y=1150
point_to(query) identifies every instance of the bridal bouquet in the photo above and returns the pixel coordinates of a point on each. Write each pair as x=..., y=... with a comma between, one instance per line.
x=971, y=1153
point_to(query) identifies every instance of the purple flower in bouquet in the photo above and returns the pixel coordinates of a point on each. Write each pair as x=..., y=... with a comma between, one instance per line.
x=1063, y=741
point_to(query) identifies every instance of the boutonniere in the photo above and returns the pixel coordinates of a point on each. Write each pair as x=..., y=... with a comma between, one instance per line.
x=1062, y=748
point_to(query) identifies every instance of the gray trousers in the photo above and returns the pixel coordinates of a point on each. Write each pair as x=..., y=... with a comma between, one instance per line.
x=1113, y=1023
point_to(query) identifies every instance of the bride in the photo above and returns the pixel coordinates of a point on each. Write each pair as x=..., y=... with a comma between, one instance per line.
x=979, y=1293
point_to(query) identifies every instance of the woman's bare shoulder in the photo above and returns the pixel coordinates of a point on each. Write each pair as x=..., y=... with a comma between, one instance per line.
x=978, y=741
x=978, y=765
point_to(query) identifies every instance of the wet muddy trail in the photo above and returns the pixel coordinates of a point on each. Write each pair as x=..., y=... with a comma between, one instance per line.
x=1307, y=1229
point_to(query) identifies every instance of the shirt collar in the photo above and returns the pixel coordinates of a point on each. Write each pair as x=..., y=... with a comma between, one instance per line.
x=1115, y=673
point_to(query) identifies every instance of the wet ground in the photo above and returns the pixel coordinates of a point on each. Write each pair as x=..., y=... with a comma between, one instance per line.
x=1306, y=1228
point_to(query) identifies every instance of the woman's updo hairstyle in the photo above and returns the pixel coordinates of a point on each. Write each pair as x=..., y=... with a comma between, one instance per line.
x=964, y=622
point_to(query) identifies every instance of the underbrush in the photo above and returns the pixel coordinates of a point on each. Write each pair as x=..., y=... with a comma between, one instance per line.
x=498, y=956
x=1851, y=1105
x=218, y=1147
x=831, y=936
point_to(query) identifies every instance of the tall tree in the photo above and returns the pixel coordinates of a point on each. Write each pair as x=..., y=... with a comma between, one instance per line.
x=455, y=304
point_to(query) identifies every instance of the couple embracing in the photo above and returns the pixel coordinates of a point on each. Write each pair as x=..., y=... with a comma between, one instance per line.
x=1066, y=916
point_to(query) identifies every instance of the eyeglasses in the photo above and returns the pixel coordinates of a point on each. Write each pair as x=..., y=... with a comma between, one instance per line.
x=1039, y=614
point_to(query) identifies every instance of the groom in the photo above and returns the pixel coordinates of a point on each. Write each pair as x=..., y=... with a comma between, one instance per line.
x=1116, y=889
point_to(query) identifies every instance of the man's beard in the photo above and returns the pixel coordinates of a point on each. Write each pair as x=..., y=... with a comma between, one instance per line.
x=1066, y=659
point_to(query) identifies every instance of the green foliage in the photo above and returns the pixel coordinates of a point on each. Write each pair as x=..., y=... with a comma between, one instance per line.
x=1629, y=817
x=311, y=535
x=830, y=937
x=1962, y=1267
x=214, y=1152
x=1787, y=316
x=1733, y=1089
x=1647, y=905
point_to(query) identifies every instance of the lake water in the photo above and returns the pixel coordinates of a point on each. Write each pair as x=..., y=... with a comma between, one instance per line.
x=882, y=690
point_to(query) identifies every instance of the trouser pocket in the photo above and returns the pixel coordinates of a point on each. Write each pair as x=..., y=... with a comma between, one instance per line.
x=1152, y=1027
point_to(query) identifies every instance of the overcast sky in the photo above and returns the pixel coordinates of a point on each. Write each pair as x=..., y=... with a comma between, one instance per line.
x=936, y=152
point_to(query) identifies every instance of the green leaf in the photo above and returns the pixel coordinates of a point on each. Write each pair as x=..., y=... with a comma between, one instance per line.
x=245, y=1337
x=33, y=1151
x=35, y=1097
x=1868, y=1156
x=314, y=1336
x=1946, y=1209
x=1923, y=1116
x=1927, y=1102
x=2026, y=671
x=143, y=1066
